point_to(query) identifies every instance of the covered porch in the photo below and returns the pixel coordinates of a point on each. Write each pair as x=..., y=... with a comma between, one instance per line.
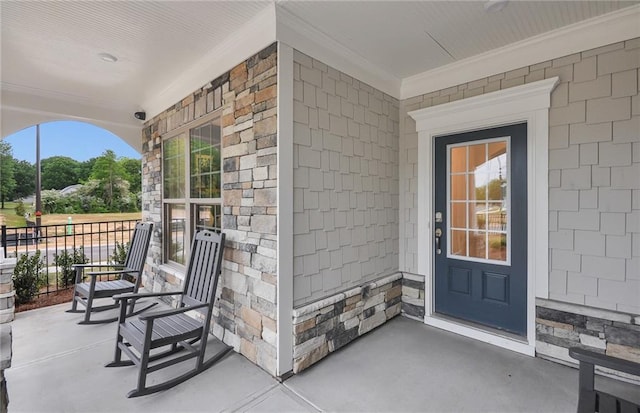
x=402, y=366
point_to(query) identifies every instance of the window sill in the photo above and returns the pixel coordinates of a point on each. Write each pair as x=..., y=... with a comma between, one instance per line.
x=173, y=270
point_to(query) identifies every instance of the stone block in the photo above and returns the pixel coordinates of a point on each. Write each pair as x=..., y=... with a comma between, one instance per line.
x=372, y=322
x=580, y=133
x=547, y=315
x=591, y=341
x=608, y=109
x=624, y=352
x=626, y=336
x=264, y=224
x=604, y=268
x=265, y=197
x=313, y=357
x=590, y=243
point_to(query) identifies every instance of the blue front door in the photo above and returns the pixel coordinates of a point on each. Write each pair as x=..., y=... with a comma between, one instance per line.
x=480, y=227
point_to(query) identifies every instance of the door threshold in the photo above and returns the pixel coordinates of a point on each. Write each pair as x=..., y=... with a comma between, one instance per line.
x=500, y=338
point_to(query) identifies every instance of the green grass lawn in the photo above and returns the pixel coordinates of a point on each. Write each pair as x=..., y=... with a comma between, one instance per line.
x=10, y=217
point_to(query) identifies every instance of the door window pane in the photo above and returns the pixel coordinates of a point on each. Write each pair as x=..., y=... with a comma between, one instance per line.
x=478, y=214
x=458, y=216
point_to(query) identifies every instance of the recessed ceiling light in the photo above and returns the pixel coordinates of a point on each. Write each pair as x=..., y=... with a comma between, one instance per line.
x=107, y=57
x=493, y=6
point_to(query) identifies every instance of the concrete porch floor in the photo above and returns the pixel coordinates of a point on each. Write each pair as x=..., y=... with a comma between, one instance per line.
x=402, y=366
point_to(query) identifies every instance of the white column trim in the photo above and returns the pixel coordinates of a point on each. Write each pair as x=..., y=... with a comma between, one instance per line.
x=284, y=350
x=527, y=103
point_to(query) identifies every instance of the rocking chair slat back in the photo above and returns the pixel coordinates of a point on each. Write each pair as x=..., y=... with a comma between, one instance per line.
x=200, y=287
x=137, y=253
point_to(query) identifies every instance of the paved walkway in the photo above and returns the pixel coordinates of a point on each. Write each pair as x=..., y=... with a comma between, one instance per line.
x=400, y=367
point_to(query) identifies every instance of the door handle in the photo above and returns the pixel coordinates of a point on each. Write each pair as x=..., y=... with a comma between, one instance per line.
x=438, y=235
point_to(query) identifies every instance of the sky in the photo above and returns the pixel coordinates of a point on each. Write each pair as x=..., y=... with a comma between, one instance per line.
x=77, y=140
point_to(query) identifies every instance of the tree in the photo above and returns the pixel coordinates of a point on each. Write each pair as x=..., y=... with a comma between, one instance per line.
x=58, y=172
x=25, y=176
x=84, y=170
x=111, y=176
x=133, y=169
x=7, y=179
x=495, y=190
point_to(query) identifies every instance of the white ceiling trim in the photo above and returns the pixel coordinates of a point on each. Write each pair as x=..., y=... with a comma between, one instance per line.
x=588, y=34
x=305, y=38
x=253, y=36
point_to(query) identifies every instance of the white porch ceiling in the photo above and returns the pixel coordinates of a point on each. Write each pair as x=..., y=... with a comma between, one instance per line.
x=49, y=49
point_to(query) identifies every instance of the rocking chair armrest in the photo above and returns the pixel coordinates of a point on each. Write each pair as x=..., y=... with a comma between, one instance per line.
x=98, y=273
x=603, y=360
x=173, y=311
x=97, y=265
x=135, y=296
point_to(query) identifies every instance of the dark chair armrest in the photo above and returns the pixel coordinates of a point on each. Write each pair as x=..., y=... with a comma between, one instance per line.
x=603, y=360
x=97, y=266
x=127, y=296
x=98, y=273
x=173, y=311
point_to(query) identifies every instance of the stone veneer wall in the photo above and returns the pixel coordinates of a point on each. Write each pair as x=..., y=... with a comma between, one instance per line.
x=345, y=178
x=560, y=326
x=413, y=296
x=245, y=314
x=594, y=195
x=327, y=325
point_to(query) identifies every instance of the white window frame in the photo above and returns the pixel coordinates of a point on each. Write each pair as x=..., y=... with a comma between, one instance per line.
x=187, y=201
x=506, y=201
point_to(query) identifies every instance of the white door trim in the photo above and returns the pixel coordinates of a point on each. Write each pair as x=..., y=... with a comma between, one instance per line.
x=527, y=103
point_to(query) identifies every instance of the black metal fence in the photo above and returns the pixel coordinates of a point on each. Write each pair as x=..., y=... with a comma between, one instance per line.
x=97, y=239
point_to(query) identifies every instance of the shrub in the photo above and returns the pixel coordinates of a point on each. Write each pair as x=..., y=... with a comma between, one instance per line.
x=65, y=261
x=119, y=253
x=26, y=277
x=20, y=210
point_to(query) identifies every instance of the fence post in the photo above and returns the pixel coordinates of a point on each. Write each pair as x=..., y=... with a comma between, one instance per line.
x=3, y=239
